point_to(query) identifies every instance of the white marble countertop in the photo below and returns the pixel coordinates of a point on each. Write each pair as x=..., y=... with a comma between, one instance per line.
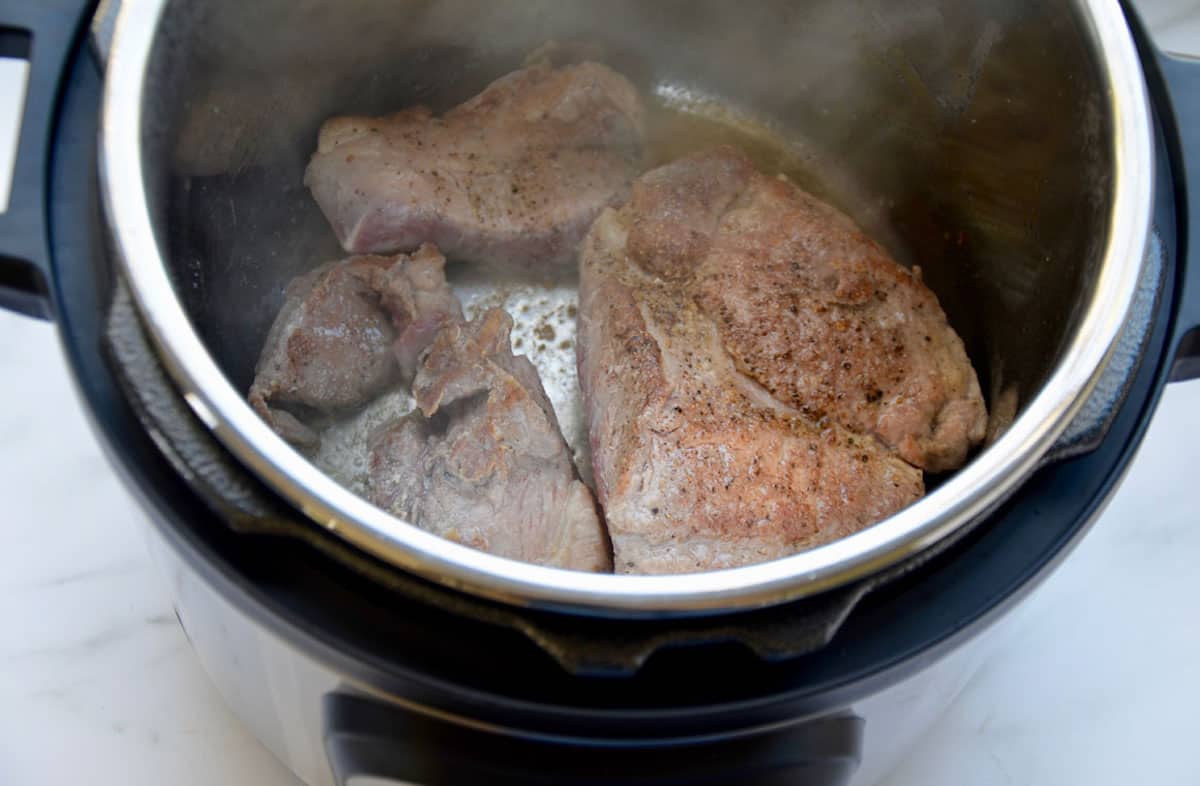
x=98, y=685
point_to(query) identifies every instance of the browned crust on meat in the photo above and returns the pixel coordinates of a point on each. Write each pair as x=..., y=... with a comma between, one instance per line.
x=346, y=332
x=809, y=306
x=696, y=467
x=511, y=178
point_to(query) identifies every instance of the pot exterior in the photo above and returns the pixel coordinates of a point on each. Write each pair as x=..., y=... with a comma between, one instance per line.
x=282, y=693
x=273, y=688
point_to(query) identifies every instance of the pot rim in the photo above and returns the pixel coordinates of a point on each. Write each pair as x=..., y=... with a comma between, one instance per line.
x=967, y=495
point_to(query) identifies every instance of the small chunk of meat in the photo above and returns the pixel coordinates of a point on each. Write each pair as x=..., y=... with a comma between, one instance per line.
x=420, y=302
x=334, y=345
x=511, y=178
x=809, y=306
x=697, y=466
x=483, y=462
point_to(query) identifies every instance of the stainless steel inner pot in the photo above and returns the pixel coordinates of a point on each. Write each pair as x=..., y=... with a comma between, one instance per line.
x=1003, y=146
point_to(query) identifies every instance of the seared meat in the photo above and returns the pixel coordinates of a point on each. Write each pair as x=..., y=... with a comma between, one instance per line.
x=697, y=466
x=757, y=372
x=331, y=349
x=420, y=302
x=512, y=178
x=483, y=462
x=809, y=306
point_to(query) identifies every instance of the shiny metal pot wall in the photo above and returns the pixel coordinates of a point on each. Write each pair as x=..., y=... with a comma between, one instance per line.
x=1003, y=146
x=282, y=691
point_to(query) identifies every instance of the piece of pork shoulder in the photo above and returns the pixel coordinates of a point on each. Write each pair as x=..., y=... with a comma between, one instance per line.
x=512, y=178
x=809, y=306
x=347, y=331
x=697, y=466
x=419, y=301
x=482, y=462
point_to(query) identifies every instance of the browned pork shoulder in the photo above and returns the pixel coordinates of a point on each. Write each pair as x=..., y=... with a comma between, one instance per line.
x=513, y=177
x=483, y=461
x=759, y=376
x=336, y=341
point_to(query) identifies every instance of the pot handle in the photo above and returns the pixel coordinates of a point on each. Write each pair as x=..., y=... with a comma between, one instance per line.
x=1181, y=83
x=44, y=33
x=388, y=744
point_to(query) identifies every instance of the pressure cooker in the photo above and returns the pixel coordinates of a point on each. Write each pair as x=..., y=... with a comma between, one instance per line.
x=1040, y=161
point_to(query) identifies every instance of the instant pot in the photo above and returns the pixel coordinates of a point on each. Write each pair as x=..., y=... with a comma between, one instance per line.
x=1036, y=159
